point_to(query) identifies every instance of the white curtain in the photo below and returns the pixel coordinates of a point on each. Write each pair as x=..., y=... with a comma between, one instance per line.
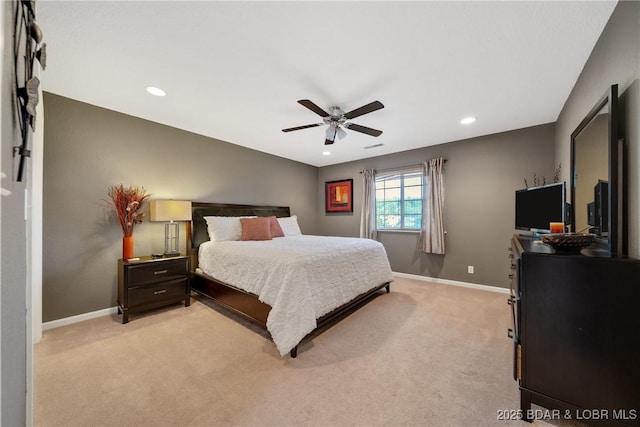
x=432, y=231
x=368, y=213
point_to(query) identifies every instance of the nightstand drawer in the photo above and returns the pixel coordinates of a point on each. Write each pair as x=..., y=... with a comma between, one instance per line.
x=144, y=295
x=149, y=283
x=152, y=272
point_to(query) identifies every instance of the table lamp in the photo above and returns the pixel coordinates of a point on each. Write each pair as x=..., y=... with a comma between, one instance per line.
x=169, y=211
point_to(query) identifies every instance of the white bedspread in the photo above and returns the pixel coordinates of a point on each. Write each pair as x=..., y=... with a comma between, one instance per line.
x=302, y=277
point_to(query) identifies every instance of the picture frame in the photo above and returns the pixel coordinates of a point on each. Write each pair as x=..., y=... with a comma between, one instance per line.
x=338, y=196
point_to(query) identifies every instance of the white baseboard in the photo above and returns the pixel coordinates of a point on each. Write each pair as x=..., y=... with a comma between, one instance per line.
x=109, y=311
x=453, y=283
x=79, y=318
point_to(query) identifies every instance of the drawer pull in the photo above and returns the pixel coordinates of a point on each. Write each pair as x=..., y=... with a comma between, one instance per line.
x=160, y=272
x=161, y=291
x=510, y=333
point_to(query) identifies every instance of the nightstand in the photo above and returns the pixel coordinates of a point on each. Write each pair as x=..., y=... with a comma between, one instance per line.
x=148, y=283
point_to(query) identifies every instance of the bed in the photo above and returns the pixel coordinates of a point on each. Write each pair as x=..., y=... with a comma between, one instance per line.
x=290, y=286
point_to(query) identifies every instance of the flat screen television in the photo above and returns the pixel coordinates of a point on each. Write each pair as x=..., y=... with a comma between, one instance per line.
x=598, y=210
x=536, y=207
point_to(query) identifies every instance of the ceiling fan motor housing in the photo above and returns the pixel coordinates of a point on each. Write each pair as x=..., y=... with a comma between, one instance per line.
x=335, y=118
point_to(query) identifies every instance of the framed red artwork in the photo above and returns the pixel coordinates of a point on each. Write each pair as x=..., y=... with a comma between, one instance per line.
x=339, y=195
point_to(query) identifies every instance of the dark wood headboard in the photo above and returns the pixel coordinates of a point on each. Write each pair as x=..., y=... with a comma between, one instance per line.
x=199, y=210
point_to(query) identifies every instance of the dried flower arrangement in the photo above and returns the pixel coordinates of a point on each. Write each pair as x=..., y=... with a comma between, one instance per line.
x=128, y=204
x=543, y=181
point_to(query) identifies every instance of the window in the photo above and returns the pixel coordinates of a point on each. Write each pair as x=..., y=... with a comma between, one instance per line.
x=399, y=201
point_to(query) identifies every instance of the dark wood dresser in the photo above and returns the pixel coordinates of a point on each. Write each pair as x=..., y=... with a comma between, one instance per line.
x=149, y=283
x=576, y=332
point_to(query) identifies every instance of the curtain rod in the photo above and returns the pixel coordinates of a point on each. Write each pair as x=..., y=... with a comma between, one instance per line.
x=400, y=168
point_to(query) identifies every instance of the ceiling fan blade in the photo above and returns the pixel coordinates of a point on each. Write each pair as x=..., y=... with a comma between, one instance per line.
x=363, y=129
x=313, y=107
x=373, y=106
x=328, y=142
x=302, y=127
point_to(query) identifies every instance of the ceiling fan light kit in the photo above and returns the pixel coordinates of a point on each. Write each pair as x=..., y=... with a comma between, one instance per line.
x=336, y=119
x=335, y=130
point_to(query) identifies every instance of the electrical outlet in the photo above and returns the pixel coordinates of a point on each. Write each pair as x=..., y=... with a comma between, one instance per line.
x=470, y=269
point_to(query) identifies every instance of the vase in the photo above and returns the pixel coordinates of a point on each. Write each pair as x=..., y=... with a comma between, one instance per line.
x=127, y=247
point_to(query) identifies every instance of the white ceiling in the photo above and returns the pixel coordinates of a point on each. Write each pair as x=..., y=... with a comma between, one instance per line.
x=234, y=70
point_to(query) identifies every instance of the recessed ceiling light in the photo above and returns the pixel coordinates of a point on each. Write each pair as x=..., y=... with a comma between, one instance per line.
x=468, y=120
x=326, y=153
x=155, y=91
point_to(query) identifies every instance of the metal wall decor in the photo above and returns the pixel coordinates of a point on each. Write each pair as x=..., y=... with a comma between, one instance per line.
x=27, y=48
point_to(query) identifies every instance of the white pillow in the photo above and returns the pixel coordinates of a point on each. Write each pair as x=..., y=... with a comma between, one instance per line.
x=290, y=225
x=224, y=228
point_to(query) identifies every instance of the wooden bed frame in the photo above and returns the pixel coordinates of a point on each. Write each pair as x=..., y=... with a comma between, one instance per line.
x=236, y=300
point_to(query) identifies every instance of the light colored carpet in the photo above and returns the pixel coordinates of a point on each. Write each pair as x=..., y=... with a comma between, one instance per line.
x=424, y=355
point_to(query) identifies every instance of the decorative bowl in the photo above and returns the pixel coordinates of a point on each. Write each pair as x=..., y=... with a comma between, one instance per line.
x=568, y=242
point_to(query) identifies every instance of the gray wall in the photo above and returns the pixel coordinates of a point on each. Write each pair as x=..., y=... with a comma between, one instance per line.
x=615, y=59
x=481, y=177
x=13, y=252
x=88, y=149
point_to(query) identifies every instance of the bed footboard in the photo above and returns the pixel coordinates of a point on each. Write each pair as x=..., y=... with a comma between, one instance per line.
x=340, y=311
x=245, y=304
x=249, y=307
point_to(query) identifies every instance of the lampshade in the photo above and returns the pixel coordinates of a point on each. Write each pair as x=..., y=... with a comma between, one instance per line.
x=334, y=131
x=170, y=210
x=330, y=133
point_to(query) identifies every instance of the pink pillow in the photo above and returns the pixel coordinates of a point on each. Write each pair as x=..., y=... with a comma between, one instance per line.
x=276, y=230
x=256, y=228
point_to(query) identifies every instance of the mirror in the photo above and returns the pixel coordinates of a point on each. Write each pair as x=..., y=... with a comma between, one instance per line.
x=596, y=155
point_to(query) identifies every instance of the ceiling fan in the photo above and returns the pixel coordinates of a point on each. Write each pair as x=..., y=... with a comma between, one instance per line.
x=336, y=119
